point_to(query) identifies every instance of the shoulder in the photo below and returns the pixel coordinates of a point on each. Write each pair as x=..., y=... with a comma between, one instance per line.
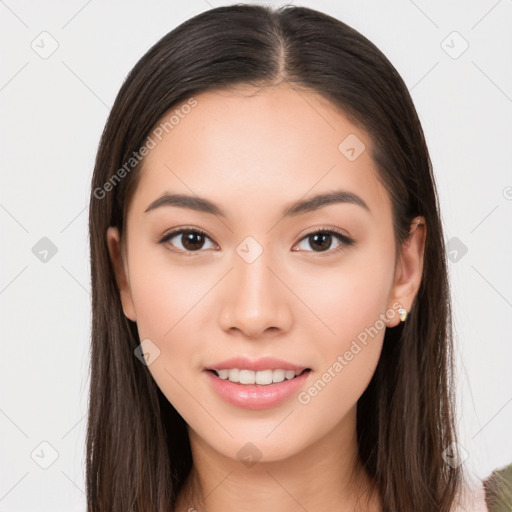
x=498, y=489
x=472, y=498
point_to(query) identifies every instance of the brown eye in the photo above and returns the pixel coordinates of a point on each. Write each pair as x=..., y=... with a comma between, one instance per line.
x=191, y=240
x=322, y=240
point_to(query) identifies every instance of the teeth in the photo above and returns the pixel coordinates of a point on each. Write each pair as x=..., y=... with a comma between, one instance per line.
x=234, y=375
x=262, y=377
x=223, y=374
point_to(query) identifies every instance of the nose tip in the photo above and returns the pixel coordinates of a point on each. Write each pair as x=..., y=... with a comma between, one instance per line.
x=255, y=301
x=252, y=332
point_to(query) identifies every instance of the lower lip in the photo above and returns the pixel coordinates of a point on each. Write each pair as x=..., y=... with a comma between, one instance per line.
x=256, y=396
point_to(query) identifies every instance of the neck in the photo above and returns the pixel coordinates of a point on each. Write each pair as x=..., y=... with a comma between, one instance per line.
x=325, y=475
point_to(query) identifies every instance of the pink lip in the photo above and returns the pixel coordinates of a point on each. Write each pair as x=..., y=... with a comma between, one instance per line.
x=264, y=363
x=255, y=396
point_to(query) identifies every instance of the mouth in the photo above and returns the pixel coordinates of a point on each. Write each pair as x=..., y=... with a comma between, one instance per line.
x=259, y=378
x=257, y=389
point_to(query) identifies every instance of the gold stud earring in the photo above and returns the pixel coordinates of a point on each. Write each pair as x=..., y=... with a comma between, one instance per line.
x=403, y=314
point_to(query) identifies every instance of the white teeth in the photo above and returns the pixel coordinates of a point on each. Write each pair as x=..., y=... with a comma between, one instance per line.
x=234, y=375
x=278, y=375
x=262, y=377
x=247, y=377
x=223, y=374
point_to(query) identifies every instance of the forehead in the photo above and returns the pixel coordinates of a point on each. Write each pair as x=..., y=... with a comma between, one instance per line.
x=250, y=147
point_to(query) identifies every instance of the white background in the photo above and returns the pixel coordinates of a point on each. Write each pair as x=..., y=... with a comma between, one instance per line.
x=53, y=111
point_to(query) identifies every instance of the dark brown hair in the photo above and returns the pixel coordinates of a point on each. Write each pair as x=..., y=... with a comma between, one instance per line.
x=138, y=451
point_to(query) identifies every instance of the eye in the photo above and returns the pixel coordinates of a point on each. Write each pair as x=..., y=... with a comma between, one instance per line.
x=191, y=240
x=322, y=239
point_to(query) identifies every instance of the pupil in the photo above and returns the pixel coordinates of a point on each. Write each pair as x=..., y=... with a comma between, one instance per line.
x=321, y=238
x=190, y=239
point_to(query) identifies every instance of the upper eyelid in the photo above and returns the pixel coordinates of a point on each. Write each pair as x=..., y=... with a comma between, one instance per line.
x=346, y=239
x=180, y=231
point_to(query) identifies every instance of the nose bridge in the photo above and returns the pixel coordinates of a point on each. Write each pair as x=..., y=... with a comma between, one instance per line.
x=253, y=278
x=256, y=300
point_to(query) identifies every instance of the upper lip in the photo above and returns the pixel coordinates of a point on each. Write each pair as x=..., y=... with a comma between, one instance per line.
x=264, y=363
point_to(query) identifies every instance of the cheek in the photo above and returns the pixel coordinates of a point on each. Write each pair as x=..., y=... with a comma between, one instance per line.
x=172, y=301
x=353, y=297
x=352, y=305
x=167, y=299
x=164, y=293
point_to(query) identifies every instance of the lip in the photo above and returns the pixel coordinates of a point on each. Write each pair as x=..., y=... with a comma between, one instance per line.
x=256, y=396
x=263, y=363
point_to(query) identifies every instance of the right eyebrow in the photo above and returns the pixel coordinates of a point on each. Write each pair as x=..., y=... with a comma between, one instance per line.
x=199, y=204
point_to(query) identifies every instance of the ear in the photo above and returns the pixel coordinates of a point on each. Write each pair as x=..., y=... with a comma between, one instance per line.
x=409, y=270
x=120, y=266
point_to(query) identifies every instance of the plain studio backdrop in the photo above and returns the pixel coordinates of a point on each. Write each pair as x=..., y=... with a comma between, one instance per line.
x=62, y=66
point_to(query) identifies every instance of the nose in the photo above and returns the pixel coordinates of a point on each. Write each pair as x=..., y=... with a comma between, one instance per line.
x=255, y=300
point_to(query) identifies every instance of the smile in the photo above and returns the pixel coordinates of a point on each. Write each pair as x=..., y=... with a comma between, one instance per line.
x=261, y=377
x=254, y=396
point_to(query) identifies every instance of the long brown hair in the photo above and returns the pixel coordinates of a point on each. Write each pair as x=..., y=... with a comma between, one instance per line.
x=138, y=451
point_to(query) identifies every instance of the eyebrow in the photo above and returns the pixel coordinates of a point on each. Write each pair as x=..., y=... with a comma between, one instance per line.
x=201, y=204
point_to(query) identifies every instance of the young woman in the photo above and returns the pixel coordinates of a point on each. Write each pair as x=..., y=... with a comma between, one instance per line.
x=271, y=311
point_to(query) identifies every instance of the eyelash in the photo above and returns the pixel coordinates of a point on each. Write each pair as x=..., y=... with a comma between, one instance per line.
x=344, y=239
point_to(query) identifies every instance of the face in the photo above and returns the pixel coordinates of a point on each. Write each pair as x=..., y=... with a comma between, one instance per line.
x=314, y=287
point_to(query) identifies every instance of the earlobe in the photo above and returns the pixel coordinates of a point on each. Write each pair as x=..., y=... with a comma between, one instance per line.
x=120, y=271
x=409, y=269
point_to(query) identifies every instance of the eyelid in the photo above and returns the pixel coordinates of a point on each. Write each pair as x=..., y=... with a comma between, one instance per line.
x=179, y=231
x=345, y=239
x=329, y=229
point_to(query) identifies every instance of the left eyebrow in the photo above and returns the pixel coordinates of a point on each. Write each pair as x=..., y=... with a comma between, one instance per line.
x=325, y=199
x=204, y=205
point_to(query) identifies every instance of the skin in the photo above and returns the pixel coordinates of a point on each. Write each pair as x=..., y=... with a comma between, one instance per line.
x=254, y=153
